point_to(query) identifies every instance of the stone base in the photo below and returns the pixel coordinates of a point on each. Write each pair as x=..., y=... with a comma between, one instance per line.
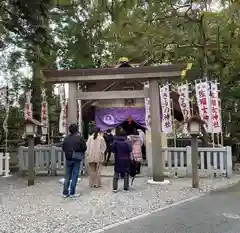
x=165, y=182
x=237, y=167
x=61, y=181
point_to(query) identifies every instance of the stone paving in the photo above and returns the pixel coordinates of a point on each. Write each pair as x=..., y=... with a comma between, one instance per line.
x=41, y=208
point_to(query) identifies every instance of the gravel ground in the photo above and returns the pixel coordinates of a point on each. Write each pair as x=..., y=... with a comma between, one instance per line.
x=41, y=208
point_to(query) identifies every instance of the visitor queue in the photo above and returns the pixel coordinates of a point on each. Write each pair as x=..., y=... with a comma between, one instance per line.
x=127, y=151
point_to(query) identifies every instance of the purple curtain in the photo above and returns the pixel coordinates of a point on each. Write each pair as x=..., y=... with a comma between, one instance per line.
x=107, y=118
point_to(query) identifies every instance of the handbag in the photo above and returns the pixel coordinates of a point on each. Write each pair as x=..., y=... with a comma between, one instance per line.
x=77, y=155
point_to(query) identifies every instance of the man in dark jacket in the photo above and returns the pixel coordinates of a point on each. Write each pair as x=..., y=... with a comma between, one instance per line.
x=109, y=140
x=122, y=149
x=74, y=148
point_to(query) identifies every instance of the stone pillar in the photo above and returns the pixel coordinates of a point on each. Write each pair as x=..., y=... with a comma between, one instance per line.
x=148, y=145
x=164, y=140
x=72, y=103
x=164, y=144
x=156, y=126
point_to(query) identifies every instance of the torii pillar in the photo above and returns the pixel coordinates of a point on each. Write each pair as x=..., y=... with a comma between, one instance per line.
x=72, y=103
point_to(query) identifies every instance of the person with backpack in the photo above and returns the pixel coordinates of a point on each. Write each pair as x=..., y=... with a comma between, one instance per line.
x=96, y=147
x=74, y=147
x=109, y=140
x=122, y=149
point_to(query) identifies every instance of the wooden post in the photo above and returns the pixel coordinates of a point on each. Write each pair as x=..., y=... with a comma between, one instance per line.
x=157, y=157
x=194, y=150
x=72, y=104
x=31, y=171
x=80, y=124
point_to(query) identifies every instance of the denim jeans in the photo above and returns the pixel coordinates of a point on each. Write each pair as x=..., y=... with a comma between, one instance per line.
x=72, y=171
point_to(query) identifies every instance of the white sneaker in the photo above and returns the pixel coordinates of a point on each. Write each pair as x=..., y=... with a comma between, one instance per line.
x=115, y=190
x=65, y=196
x=75, y=195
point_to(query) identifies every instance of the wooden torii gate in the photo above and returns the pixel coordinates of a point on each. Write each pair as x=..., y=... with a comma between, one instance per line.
x=153, y=74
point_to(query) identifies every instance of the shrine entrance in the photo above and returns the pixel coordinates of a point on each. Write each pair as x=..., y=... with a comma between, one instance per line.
x=129, y=127
x=79, y=79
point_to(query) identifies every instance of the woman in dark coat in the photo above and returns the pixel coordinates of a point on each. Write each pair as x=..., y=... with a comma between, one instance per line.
x=122, y=149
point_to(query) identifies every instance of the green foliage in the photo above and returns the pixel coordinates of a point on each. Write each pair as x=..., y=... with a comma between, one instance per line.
x=50, y=34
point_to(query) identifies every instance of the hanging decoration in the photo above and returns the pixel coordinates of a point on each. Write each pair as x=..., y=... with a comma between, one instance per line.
x=184, y=72
x=28, y=106
x=167, y=118
x=147, y=108
x=63, y=112
x=184, y=103
x=44, y=113
x=204, y=105
x=216, y=112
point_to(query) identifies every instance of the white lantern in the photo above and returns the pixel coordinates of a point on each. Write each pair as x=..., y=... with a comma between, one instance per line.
x=29, y=129
x=194, y=127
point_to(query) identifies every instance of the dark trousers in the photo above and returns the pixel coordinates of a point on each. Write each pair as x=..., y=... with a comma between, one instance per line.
x=107, y=155
x=125, y=180
x=72, y=171
x=144, y=152
x=138, y=167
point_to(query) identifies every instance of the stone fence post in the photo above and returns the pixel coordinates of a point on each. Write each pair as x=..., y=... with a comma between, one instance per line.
x=53, y=160
x=229, y=161
x=189, y=160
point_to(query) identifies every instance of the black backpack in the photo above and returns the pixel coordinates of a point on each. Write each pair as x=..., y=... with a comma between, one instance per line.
x=133, y=170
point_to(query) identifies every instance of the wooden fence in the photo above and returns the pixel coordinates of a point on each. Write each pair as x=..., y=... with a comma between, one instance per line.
x=4, y=164
x=212, y=161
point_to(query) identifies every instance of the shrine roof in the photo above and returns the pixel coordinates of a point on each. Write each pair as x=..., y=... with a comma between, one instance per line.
x=113, y=70
x=166, y=70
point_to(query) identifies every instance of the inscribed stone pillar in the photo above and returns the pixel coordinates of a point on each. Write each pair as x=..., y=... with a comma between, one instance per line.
x=157, y=158
x=72, y=103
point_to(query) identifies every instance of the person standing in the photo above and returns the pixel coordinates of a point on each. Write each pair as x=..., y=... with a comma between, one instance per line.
x=122, y=151
x=109, y=140
x=96, y=146
x=136, y=149
x=74, y=147
x=142, y=136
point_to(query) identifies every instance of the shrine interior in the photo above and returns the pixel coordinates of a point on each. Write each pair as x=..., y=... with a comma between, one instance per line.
x=130, y=127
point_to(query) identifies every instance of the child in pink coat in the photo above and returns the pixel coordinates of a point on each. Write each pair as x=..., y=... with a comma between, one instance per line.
x=136, y=149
